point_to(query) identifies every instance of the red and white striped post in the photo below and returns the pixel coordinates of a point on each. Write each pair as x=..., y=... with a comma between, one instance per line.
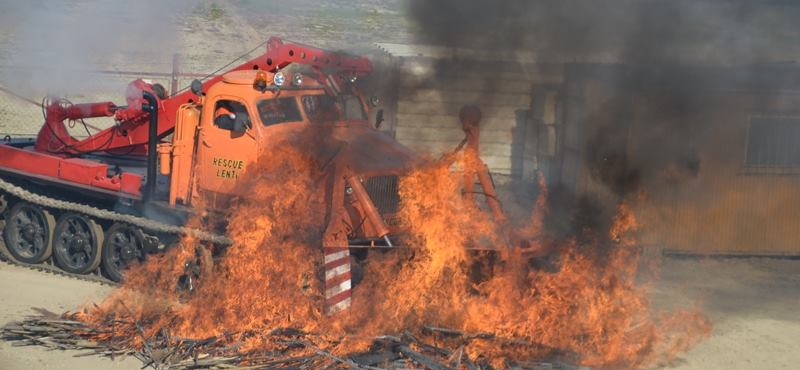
x=338, y=287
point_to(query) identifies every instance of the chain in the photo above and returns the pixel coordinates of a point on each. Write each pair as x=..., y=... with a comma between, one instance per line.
x=144, y=223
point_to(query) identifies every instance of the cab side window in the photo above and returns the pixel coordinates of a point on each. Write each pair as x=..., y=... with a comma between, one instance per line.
x=231, y=115
x=352, y=107
x=320, y=108
x=278, y=110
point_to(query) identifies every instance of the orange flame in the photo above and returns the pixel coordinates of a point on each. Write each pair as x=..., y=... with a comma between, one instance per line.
x=590, y=307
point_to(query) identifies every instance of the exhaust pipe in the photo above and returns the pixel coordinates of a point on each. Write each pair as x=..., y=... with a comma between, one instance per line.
x=152, y=141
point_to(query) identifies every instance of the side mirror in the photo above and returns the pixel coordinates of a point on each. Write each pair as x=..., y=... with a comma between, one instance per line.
x=378, y=118
x=232, y=123
x=239, y=126
x=196, y=87
x=225, y=122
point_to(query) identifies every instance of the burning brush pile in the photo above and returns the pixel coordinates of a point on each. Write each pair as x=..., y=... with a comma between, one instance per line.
x=259, y=306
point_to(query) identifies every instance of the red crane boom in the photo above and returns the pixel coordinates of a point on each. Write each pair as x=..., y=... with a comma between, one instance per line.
x=130, y=135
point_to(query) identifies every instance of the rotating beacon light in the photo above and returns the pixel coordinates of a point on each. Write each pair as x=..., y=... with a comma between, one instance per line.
x=260, y=82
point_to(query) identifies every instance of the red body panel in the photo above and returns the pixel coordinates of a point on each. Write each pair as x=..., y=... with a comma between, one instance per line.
x=27, y=161
x=75, y=171
x=78, y=170
x=131, y=184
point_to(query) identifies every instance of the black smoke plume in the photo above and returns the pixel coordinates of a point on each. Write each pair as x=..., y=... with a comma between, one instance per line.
x=658, y=58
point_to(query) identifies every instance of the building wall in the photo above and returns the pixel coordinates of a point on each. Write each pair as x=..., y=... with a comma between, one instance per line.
x=721, y=206
x=724, y=205
x=729, y=207
x=429, y=98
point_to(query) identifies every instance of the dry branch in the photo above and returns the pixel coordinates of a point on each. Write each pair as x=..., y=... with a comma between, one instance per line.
x=290, y=348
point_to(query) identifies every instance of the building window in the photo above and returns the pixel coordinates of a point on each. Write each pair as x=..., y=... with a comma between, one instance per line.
x=773, y=142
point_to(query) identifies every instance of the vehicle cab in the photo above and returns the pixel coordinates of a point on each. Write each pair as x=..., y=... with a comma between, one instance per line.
x=248, y=111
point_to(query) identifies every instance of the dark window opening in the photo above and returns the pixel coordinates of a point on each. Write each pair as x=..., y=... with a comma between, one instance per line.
x=351, y=105
x=773, y=142
x=229, y=114
x=323, y=108
x=274, y=111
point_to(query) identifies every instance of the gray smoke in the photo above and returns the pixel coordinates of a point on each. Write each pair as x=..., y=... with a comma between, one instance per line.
x=737, y=31
x=51, y=44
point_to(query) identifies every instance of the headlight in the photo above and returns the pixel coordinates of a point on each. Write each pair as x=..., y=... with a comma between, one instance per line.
x=353, y=78
x=297, y=80
x=279, y=79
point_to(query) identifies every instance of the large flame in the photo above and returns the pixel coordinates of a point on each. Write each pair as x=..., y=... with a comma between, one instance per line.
x=460, y=271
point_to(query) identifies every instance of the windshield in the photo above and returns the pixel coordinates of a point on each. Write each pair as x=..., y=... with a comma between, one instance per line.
x=280, y=110
x=320, y=108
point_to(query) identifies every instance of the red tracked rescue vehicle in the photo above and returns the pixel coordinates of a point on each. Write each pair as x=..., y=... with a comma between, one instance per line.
x=101, y=203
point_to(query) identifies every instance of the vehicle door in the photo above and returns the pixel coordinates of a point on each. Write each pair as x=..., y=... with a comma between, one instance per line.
x=226, y=146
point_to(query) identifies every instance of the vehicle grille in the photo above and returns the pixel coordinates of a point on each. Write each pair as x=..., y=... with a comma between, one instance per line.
x=384, y=193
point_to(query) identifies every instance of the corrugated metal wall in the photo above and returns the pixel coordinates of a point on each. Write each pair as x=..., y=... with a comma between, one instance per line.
x=731, y=205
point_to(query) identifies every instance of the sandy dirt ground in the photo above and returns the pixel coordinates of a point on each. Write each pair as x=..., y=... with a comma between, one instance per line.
x=22, y=289
x=752, y=303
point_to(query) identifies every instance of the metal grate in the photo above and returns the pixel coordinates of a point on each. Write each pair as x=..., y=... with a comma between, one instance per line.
x=384, y=193
x=772, y=142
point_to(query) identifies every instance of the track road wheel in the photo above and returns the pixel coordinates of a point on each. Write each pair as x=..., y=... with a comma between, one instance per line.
x=124, y=246
x=77, y=240
x=28, y=233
